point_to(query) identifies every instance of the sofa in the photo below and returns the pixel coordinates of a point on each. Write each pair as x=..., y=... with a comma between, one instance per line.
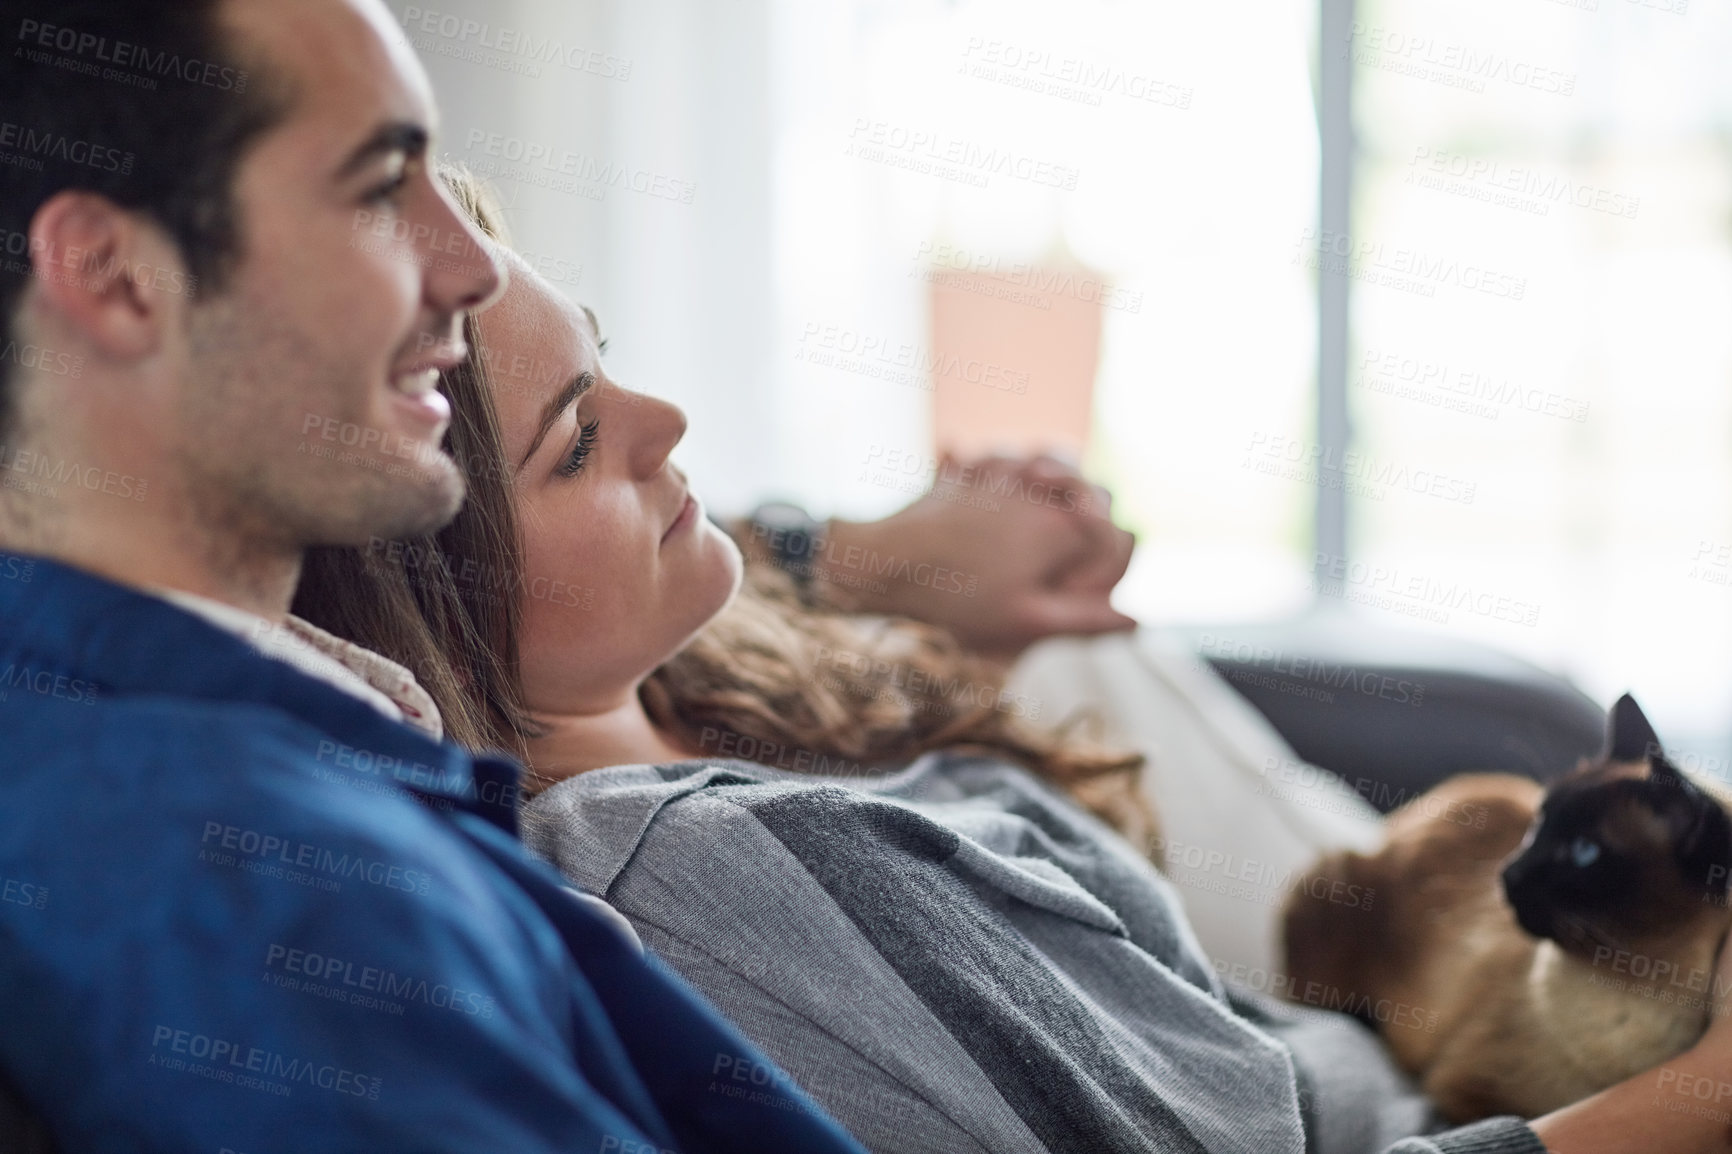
x=1395, y=711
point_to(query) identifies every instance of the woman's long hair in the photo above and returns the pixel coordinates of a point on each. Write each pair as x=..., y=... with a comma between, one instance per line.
x=448, y=604
x=768, y=680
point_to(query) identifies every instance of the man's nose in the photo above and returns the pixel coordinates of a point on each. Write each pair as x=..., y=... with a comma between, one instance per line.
x=464, y=274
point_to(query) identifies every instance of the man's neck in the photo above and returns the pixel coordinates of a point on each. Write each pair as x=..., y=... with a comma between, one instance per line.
x=144, y=552
x=620, y=734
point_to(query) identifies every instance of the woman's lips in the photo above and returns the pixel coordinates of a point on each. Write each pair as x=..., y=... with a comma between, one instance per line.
x=687, y=516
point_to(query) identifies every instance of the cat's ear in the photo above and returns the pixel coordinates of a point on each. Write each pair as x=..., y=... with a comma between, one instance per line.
x=1702, y=837
x=1629, y=737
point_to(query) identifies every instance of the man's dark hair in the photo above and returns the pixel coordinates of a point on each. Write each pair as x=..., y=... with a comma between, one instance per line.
x=144, y=102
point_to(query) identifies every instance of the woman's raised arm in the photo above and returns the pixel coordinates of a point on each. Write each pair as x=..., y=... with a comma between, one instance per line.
x=1683, y=1106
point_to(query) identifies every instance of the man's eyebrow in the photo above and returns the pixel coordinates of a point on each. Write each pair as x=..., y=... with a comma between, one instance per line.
x=563, y=400
x=398, y=136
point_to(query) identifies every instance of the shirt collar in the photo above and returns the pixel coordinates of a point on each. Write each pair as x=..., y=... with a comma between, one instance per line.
x=375, y=679
x=131, y=643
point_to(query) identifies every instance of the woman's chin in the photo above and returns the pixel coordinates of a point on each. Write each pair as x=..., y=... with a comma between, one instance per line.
x=736, y=568
x=704, y=588
x=720, y=571
x=724, y=575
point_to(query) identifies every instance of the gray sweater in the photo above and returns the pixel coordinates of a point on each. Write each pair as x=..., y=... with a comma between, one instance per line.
x=955, y=958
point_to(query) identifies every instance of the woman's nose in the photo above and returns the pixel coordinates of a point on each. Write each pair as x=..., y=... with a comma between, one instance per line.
x=661, y=426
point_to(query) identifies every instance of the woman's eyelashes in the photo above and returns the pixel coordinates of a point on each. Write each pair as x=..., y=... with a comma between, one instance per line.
x=391, y=190
x=580, y=452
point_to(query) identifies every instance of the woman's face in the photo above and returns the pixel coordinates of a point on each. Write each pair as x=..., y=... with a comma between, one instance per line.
x=622, y=568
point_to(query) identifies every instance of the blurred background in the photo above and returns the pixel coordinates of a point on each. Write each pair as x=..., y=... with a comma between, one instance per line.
x=846, y=234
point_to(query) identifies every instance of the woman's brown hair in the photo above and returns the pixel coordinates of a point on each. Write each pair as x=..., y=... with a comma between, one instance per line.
x=770, y=679
x=446, y=605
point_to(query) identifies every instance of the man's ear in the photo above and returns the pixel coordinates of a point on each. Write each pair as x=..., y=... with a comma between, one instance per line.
x=104, y=272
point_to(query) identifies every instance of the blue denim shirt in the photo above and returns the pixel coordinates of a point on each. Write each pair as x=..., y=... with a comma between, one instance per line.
x=242, y=911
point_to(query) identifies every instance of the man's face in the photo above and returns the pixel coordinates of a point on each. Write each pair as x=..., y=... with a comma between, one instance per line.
x=307, y=413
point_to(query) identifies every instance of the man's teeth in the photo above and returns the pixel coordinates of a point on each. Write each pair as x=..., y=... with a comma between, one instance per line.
x=417, y=384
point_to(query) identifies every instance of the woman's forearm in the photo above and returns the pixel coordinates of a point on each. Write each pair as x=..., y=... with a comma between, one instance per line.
x=1683, y=1106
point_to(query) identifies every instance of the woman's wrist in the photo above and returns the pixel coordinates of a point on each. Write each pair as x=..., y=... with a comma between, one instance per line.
x=821, y=575
x=846, y=568
x=1682, y=1106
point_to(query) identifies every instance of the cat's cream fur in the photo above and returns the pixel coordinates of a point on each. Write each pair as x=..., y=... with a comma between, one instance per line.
x=1518, y=1024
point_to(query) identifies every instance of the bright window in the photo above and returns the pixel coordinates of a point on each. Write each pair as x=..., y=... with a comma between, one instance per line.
x=1544, y=277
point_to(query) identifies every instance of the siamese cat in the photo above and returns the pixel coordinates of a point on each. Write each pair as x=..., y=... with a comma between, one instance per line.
x=1532, y=946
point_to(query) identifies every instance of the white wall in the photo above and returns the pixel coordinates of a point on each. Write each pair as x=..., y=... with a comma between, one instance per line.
x=670, y=95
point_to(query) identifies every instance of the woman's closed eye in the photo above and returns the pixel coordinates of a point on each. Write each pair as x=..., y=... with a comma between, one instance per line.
x=390, y=190
x=586, y=439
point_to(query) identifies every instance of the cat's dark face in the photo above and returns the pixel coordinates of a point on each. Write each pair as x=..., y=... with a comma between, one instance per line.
x=1622, y=850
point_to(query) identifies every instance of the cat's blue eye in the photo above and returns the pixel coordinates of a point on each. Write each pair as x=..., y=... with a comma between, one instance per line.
x=1584, y=853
